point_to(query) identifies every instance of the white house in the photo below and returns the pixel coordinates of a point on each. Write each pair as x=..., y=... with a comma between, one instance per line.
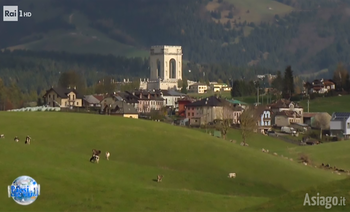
x=340, y=124
x=198, y=88
x=217, y=87
x=264, y=121
x=171, y=96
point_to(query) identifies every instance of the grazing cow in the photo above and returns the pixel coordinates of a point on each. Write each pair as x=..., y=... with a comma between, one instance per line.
x=263, y=150
x=96, y=152
x=95, y=158
x=232, y=175
x=275, y=153
x=107, y=155
x=159, y=178
x=305, y=163
x=28, y=140
x=2, y=136
x=267, y=151
x=16, y=139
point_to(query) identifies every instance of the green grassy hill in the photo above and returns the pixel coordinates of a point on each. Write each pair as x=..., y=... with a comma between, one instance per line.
x=195, y=166
x=294, y=201
x=334, y=153
x=328, y=104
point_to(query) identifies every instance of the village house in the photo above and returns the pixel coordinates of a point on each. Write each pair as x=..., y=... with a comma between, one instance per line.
x=149, y=100
x=238, y=108
x=310, y=118
x=286, y=105
x=181, y=111
x=63, y=97
x=218, y=87
x=93, y=101
x=319, y=86
x=264, y=116
x=110, y=99
x=198, y=88
x=121, y=108
x=171, y=98
x=286, y=118
x=207, y=110
x=340, y=124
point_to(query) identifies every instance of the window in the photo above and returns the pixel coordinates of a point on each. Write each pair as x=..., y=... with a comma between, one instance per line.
x=77, y=103
x=49, y=96
x=188, y=114
x=192, y=114
x=348, y=125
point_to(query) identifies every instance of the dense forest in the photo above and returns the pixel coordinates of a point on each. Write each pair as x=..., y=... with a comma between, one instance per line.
x=311, y=38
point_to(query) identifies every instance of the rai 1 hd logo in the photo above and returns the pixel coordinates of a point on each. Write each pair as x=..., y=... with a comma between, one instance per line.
x=12, y=13
x=24, y=190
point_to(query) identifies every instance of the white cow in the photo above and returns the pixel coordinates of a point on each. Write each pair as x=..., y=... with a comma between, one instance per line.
x=2, y=136
x=16, y=139
x=27, y=141
x=232, y=175
x=97, y=158
x=107, y=155
x=263, y=150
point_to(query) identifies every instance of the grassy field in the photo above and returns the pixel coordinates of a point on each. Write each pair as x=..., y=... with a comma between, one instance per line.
x=294, y=201
x=334, y=153
x=328, y=104
x=195, y=166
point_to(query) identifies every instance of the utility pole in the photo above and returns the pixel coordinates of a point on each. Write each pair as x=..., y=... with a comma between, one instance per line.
x=308, y=104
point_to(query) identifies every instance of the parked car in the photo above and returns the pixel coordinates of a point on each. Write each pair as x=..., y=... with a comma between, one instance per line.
x=272, y=133
x=289, y=130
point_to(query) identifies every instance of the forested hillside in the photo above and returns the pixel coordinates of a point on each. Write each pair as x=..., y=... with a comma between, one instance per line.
x=309, y=35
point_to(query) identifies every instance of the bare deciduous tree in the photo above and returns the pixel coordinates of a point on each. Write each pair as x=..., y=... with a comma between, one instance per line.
x=322, y=121
x=248, y=123
x=205, y=114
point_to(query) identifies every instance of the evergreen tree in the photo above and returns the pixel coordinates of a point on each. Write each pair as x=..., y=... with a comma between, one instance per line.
x=288, y=86
x=277, y=83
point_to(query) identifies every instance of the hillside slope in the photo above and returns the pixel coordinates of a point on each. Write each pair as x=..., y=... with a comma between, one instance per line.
x=191, y=162
x=310, y=35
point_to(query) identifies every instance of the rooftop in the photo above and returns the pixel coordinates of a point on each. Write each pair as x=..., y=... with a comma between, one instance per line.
x=337, y=116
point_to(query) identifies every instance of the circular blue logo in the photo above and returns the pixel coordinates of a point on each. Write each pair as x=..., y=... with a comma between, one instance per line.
x=24, y=190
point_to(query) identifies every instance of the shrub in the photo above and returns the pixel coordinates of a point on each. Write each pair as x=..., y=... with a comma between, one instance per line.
x=304, y=158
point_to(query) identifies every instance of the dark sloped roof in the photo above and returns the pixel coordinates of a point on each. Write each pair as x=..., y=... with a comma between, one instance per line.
x=121, y=107
x=172, y=93
x=288, y=113
x=283, y=103
x=91, y=99
x=62, y=92
x=337, y=116
x=210, y=101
